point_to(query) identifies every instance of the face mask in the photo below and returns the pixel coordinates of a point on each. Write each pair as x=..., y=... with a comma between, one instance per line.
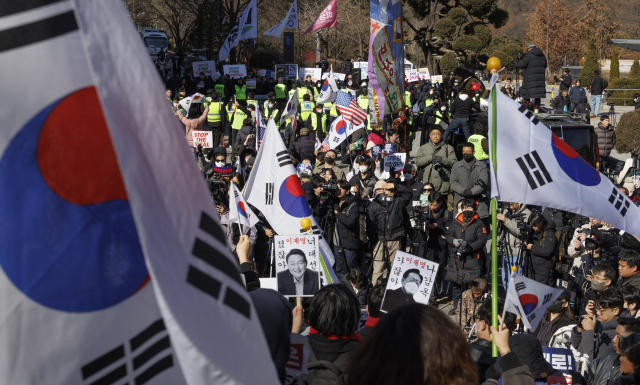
x=411, y=288
x=463, y=97
x=467, y=214
x=597, y=286
x=431, y=92
x=271, y=105
x=443, y=109
x=329, y=160
x=467, y=157
x=219, y=164
x=319, y=111
x=476, y=95
x=555, y=307
x=408, y=176
x=349, y=83
x=364, y=169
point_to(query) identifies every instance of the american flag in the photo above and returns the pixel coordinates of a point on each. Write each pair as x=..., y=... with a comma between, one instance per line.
x=294, y=122
x=349, y=109
x=325, y=145
x=261, y=129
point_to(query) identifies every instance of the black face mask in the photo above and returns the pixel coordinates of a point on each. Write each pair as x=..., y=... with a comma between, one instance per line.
x=555, y=307
x=468, y=157
x=329, y=160
x=467, y=214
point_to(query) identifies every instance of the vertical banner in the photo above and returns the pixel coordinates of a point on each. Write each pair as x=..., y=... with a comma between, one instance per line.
x=386, y=53
x=287, y=50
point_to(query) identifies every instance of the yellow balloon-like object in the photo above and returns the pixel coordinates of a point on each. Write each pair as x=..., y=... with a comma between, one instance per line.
x=493, y=64
x=305, y=223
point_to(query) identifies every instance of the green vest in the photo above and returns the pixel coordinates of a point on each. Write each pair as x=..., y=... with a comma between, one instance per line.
x=238, y=119
x=220, y=89
x=215, y=112
x=315, y=93
x=229, y=112
x=306, y=109
x=302, y=91
x=334, y=110
x=291, y=93
x=407, y=99
x=265, y=105
x=477, y=144
x=241, y=92
x=273, y=115
x=280, y=91
x=428, y=102
x=253, y=103
x=363, y=102
x=323, y=119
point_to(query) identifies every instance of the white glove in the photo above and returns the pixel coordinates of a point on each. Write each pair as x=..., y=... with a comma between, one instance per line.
x=457, y=242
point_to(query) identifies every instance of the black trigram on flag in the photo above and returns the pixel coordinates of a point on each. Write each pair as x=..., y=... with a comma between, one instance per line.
x=619, y=201
x=520, y=286
x=147, y=354
x=208, y=284
x=532, y=166
x=528, y=114
x=268, y=194
x=283, y=158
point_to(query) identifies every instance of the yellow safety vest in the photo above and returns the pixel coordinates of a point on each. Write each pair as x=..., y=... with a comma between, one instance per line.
x=241, y=92
x=334, y=110
x=253, y=103
x=220, y=89
x=306, y=109
x=363, y=102
x=273, y=115
x=323, y=119
x=302, y=91
x=477, y=144
x=407, y=99
x=291, y=93
x=280, y=91
x=238, y=119
x=229, y=112
x=215, y=112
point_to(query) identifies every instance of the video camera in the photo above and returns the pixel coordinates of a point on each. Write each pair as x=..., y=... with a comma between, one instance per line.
x=328, y=193
x=420, y=215
x=607, y=241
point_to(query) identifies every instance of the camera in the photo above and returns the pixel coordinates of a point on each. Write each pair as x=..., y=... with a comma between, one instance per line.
x=461, y=248
x=601, y=239
x=437, y=167
x=328, y=192
x=386, y=200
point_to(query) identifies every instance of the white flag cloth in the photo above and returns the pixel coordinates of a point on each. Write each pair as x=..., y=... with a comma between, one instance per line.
x=274, y=189
x=239, y=210
x=245, y=28
x=529, y=299
x=114, y=266
x=290, y=21
x=291, y=107
x=189, y=100
x=534, y=166
x=341, y=130
x=329, y=90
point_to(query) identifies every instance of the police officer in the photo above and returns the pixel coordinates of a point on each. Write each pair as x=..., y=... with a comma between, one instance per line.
x=251, y=101
x=240, y=114
x=319, y=121
x=306, y=107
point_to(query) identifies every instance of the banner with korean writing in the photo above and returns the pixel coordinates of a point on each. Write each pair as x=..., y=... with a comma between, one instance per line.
x=207, y=67
x=235, y=71
x=411, y=280
x=423, y=73
x=386, y=53
x=411, y=76
x=297, y=266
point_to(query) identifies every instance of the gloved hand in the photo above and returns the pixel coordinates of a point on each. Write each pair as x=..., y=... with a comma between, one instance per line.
x=467, y=193
x=468, y=249
x=436, y=159
x=457, y=242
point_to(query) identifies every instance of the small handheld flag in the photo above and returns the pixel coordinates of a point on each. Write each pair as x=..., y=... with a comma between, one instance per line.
x=529, y=299
x=239, y=210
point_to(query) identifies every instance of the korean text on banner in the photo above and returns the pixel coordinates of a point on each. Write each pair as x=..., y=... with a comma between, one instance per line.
x=394, y=160
x=206, y=67
x=423, y=73
x=315, y=73
x=412, y=76
x=235, y=70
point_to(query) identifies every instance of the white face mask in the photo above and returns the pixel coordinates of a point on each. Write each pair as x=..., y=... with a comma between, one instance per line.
x=271, y=105
x=463, y=97
x=408, y=176
x=411, y=288
x=431, y=92
x=219, y=164
x=364, y=169
x=443, y=109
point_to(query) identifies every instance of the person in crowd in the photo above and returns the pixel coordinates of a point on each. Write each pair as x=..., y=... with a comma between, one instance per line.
x=629, y=349
x=365, y=180
x=410, y=283
x=466, y=237
x=357, y=282
x=606, y=369
x=460, y=111
x=411, y=182
x=541, y=247
x=329, y=162
x=583, y=107
x=438, y=220
x=508, y=226
x=595, y=339
x=529, y=351
x=232, y=230
x=189, y=82
x=328, y=174
x=534, y=85
x=554, y=330
x=240, y=113
x=374, y=301
x=471, y=301
x=304, y=146
x=297, y=280
x=194, y=124
x=387, y=212
x=422, y=335
x=246, y=137
x=606, y=137
x=334, y=314
x=565, y=81
x=597, y=86
x=377, y=136
x=628, y=265
x=576, y=246
x=437, y=159
x=631, y=296
x=480, y=144
x=216, y=118
x=562, y=102
x=469, y=180
x=636, y=101
x=576, y=92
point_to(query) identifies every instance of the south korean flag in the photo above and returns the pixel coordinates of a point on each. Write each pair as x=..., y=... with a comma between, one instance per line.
x=529, y=299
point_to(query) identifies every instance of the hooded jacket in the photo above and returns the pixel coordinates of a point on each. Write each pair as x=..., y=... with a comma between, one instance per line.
x=390, y=220
x=583, y=106
x=193, y=124
x=542, y=252
x=304, y=146
x=575, y=93
x=439, y=178
x=606, y=139
x=468, y=265
x=534, y=65
x=242, y=136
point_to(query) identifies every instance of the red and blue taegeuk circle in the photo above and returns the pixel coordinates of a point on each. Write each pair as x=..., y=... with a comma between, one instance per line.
x=341, y=126
x=69, y=241
x=292, y=198
x=325, y=85
x=242, y=210
x=529, y=303
x=573, y=164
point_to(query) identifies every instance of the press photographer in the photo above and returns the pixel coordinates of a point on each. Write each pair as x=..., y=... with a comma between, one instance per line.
x=510, y=236
x=542, y=248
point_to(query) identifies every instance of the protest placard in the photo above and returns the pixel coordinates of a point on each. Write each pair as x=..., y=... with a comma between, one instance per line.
x=363, y=65
x=560, y=358
x=290, y=71
x=315, y=73
x=336, y=75
x=411, y=76
x=206, y=67
x=298, y=358
x=436, y=79
x=251, y=84
x=376, y=151
x=411, y=280
x=394, y=160
x=297, y=261
x=235, y=70
x=215, y=76
x=203, y=138
x=423, y=73
x=262, y=72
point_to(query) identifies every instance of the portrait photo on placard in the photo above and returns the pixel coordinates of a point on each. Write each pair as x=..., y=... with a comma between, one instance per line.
x=297, y=265
x=411, y=280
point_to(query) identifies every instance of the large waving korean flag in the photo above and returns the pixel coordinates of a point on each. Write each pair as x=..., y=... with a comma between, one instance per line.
x=113, y=266
x=529, y=299
x=274, y=189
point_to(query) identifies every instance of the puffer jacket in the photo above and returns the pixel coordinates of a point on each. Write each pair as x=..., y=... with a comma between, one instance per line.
x=304, y=146
x=511, y=227
x=467, y=176
x=193, y=124
x=576, y=93
x=606, y=139
x=542, y=252
x=603, y=370
x=390, y=220
x=534, y=84
x=439, y=178
x=468, y=266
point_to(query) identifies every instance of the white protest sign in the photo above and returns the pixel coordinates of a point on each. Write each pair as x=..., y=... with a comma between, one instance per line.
x=262, y=72
x=423, y=73
x=290, y=71
x=298, y=359
x=411, y=76
x=395, y=160
x=215, y=76
x=203, y=138
x=206, y=67
x=360, y=64
x=411, y=280
x=297, y=258
x=315, y=73
x=251, y=84
x=436, y=79
x=235, y=70
x=336, y=75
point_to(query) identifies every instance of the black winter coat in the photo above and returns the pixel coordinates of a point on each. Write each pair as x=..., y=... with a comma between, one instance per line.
x=348, y=67
x=435, y=241
x=242, y=135
x=348, y=222
x=541, y=254
x=365, y=185
x=559, y=102
x=583, y=106
x=304, y=146
x=468, y=266
x=534, y=84
x=565, y=85
x=390, y=220
x=461, y=109
x=603, y=370
x=597, y=85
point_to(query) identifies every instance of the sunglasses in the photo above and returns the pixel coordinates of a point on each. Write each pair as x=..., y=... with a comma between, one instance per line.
x=427, y=190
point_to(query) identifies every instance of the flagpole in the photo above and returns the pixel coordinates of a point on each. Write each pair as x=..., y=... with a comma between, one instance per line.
x=494, y=226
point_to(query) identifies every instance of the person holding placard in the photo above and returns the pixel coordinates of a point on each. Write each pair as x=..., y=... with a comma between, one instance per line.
x=193, y=124
x=297, y=280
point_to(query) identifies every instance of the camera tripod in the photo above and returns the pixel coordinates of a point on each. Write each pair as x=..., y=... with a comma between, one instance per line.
x=386, y=256
x=330, y=217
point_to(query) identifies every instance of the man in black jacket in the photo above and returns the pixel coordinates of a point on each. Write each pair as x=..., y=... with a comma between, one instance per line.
x=636, y=101
x=565, y=81
x=387, y=211
x=534, y=85
x=597, y=87
x=562, y=102
x=365, y=180
x=304, y=146
x=460, y=110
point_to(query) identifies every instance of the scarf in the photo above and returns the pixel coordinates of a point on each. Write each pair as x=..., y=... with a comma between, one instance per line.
x=354, y=336
x=372, y=321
